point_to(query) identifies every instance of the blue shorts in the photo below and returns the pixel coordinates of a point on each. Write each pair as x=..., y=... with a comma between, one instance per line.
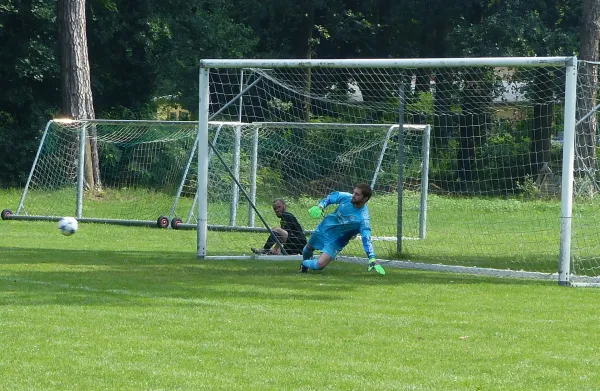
x=327, y=245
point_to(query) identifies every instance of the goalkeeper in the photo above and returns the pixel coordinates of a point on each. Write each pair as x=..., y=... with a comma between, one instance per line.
x=350, y=218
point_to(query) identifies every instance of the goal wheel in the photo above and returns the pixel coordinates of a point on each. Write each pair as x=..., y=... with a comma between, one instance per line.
x=6, y=213
x=175, y=222
x=162, y=222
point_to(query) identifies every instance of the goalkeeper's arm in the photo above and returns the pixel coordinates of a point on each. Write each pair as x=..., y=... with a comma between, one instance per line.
x=374, y=264
x=365, y=234
x=333, y=198
x=316, y=211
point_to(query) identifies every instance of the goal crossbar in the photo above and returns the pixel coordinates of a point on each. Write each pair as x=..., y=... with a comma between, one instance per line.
x=386, y=62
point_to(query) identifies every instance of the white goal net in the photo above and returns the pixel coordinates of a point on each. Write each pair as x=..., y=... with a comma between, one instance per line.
x=499, y=200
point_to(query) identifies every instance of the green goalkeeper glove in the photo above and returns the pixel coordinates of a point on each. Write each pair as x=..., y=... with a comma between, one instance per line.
x=315, y=212
x=374, y=265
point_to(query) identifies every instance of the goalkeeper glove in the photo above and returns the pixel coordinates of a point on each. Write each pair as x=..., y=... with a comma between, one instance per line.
x=374, y=265
x=315, y=212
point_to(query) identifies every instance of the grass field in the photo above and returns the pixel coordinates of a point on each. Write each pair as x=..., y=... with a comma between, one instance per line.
x=131, y=308
x=466, y=231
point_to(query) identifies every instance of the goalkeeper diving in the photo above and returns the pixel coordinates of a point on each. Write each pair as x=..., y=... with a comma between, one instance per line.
x=350, y=218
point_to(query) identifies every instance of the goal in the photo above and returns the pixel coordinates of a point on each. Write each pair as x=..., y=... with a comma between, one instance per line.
x=148, y=176
x=259, y=162
x=139, y=167
x=500, y=164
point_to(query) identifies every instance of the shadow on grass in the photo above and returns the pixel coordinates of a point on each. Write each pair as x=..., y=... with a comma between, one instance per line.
x=43, y=276
x=531, y=263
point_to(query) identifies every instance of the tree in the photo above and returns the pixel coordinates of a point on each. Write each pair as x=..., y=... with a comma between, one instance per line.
x=588, y=81
x=28, y=81
x=76, y=88
x=527, y=28
x=179, y=40
x=124, y=46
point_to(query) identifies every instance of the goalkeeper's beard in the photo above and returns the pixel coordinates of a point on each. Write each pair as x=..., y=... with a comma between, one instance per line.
x=358, y=204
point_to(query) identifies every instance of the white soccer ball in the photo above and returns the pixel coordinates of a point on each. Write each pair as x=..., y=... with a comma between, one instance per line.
x=68, y=225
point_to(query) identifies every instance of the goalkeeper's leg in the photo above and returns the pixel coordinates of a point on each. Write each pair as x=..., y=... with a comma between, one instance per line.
x=315, y=263
x=314, y=242
x=308, y=262
x=328, y=253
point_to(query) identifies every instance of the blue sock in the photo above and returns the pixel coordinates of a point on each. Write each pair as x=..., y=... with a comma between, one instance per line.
x=312, y=264
x=307, y=254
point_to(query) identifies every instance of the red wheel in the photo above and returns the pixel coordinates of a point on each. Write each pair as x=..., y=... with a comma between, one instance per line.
x=162, y=222
x=175, y=222
x=6, y=213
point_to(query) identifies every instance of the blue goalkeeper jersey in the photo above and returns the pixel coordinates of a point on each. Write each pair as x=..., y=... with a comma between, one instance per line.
x=346, y=222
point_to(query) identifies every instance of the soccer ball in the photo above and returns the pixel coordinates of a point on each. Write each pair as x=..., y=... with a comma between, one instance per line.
x=67, y=225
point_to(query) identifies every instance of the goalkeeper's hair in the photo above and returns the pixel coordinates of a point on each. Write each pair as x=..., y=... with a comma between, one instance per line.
x=365, y=189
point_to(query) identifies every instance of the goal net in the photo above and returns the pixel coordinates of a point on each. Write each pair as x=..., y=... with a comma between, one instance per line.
x=500, y=165
x=133, y=180
x=147, y=172
x=252, y=164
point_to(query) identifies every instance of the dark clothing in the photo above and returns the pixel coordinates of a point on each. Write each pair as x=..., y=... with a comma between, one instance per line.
x=296, y=238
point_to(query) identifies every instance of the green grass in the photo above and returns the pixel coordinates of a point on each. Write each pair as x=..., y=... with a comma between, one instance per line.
x=483, y=232
x=130, y=308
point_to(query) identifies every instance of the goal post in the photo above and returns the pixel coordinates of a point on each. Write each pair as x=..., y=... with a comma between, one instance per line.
x=585, y=237
x=564, y=270
x=498, y=178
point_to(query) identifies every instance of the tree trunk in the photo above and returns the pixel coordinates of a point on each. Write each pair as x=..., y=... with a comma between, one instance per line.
x=309, y=26
x=476, y=102
x=541, y=137
x=443, y=120
x=76, y=88
x=585, y=151
x=543, y=112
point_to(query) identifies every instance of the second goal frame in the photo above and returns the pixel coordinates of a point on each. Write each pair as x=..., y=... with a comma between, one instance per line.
x=391, y=131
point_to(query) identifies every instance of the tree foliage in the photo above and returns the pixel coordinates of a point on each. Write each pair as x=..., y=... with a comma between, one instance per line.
x=28, y=81
x=142, y=50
